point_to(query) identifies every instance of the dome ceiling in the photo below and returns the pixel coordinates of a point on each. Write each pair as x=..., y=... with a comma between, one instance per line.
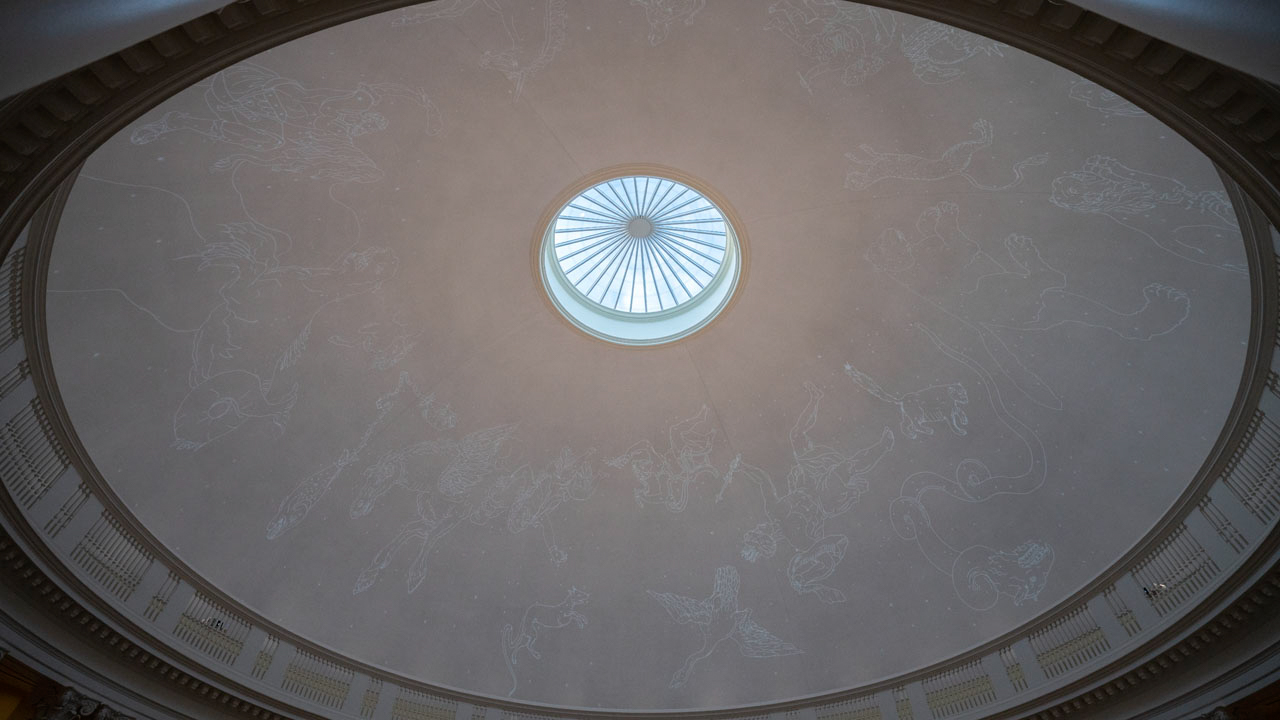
x=991, y=321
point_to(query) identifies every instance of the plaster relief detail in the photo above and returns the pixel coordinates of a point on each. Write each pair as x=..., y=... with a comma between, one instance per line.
x=664, y=477
x=980, y=575
x=662, y=14
x=537, y=618
x=521, y=59
x=869, y=166
x=1103, y=100
x=282, y=125
x=857, y=42
x=1196, y=225
x=717, y=619
x=823, y=484
x=977, y=296
x=841, y=38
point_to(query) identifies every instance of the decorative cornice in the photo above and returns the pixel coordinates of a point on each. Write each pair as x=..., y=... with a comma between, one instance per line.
x=68, y=704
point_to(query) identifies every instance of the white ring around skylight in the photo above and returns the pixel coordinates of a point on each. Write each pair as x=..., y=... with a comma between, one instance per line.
x=640, y=259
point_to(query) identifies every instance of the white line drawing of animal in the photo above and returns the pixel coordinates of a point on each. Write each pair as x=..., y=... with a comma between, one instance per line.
x=519, y=61
x=1019, y=292
x=235, y=354
x=387, y=342
x=662, y=14
x=404, y=397
x=979, y=575
x=717, y=619
x=835, y=36
x=665, y=477
x=284, y=126
x=1199, y=226
x=919, y=409
x=973, y=481
x=936, y=51
x=823, y=484
x=1103, y=100
x=539, y=617
x=870, y=166
x=528, y=498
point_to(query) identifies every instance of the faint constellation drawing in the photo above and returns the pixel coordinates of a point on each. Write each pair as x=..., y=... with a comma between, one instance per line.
x=979, y=574
x=823, y=483
x=539, y=617
x=972, y=480
x=1103, y=100
x=662, y=14
x=405, y=397
x=469, y=487
x=919, y=409
x=835, y=37
x=870, y=166
x=387, y=342
x=1199, y=226
x=455, y=496
x=520, y=60
x=1016, y=292
x=665, y=477
x=936, y=51
x=282, y=125
x=717, y=619
x=237, y=361
x=528, y=497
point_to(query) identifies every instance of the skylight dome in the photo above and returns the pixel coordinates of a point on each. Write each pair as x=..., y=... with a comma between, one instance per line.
x=640, y=259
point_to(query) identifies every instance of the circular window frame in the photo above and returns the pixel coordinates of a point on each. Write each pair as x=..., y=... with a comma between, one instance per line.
x=634, y=329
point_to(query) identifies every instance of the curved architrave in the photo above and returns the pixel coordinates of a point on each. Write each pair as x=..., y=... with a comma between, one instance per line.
x=1234, y=119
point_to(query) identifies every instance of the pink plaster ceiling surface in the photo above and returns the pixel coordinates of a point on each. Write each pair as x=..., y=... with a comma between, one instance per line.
x=993, y=321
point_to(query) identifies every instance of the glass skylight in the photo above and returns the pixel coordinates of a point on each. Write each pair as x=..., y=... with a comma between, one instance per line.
x=640, y=245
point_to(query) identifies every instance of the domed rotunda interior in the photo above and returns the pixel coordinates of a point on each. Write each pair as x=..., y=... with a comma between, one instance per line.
x=662, y=355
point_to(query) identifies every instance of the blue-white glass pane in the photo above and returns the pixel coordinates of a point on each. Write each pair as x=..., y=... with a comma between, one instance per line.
x=640, y=244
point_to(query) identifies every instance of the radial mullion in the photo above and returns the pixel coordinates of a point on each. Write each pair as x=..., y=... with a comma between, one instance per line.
x=602, y=261
x=609, y=200
x=681, y=227
x=657, y=200
x=622, y=262
x=621, y=201
x=644, y=280
x=630, y=270
x=681, y=267
x=653, y=275
x=695, y=241
x=656, y=214
x=574, y=241
x=676, y=242
x=607, y=212
x=610, y=240
x=659, y=263
x=669, y=217
x=644, y=197
x=619, y=249
x=688, y=262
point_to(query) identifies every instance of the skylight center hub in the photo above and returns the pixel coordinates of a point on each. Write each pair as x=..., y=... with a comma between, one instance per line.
x=640, y=227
